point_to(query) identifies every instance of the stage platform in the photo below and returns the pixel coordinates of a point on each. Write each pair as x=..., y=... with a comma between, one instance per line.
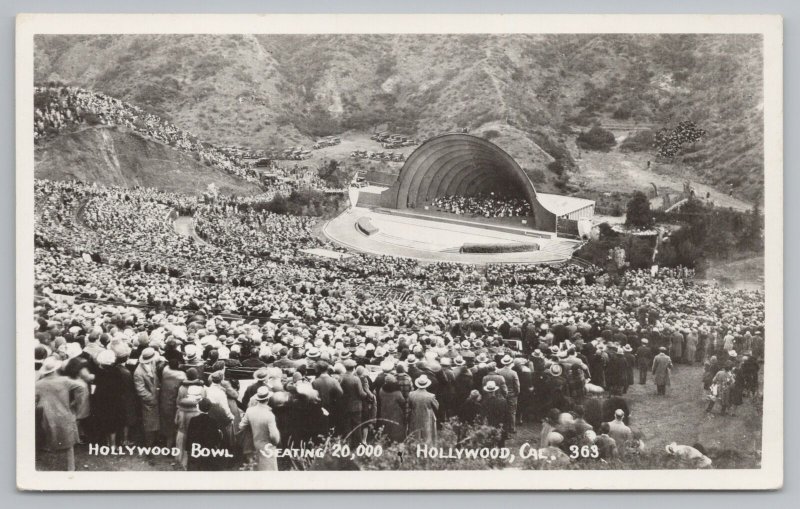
x=409, y=234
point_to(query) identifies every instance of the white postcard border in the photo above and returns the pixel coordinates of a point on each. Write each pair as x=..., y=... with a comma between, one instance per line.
x=770, y=476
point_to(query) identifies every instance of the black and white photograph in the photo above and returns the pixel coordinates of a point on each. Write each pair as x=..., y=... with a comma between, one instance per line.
x=397, y=250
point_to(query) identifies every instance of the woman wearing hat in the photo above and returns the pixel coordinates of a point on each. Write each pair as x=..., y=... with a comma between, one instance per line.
x=56, y=396
x=422, y=411
x=185, y=411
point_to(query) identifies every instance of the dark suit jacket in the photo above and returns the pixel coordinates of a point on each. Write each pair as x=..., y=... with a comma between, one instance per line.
x=203, y=430
x=494, y=409
x=250, y=392
x=352, y=393
x=329, y=391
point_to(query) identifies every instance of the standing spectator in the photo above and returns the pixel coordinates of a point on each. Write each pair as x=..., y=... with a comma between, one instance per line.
x=108, y=405
x=392, y=409
x=187, y=409
x=422, y=408
x=691, y=346
x=147, y=383
x=512, y=383
x=495, y=409
x=259, y=422
x=77, y=370
x=619, y=431
x=662, y=365
x=57, y=399
x=721, y=389
x=351, y=403
x=171, y=380
x=644, y=360
x=203, y=433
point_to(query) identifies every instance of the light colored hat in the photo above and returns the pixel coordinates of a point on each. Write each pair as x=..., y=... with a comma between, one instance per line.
x=556, y=369
x=538, y=354
x=262, y=394
x=105, y=358
x=459, y=361
x=312, y=353
x=148, y=356
x=732, y=353
x=627, y=348
x=645, y=341
x=490, y=386
x=191, y=352
x=387, y=365
x=465, y=344
x=506, y=360
x=261, y=374
x=49, y=365
x=422, y=381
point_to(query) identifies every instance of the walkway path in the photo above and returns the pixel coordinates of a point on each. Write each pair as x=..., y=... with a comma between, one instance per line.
x=184, y=226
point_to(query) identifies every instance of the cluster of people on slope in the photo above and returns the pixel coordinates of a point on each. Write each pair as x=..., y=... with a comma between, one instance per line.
x=62, y=107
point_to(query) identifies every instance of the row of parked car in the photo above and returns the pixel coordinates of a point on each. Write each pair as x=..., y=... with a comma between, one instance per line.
x=378, y=156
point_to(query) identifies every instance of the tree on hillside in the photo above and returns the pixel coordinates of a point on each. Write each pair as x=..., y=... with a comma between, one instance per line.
x=641, y=141
x=596, y=138
x=638, y=212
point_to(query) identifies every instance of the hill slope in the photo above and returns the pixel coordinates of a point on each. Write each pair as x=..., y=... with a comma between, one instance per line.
x=113, y=156
x=268, y=90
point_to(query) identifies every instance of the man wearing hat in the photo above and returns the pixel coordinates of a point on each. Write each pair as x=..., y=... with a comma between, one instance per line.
x=662, y=365
x=259, y=425
x=463, y=382
x=495, y=409
x=146, y=382
x=491, y=374
x=616, y=371
x=630, y=364
x=56, y=396
x=351, y=403
x=328, y=389
x=422, y=411
x=644, y=360
x=511, y=379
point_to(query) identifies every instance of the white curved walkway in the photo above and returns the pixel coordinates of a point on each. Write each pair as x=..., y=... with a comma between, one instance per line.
x=423, y=239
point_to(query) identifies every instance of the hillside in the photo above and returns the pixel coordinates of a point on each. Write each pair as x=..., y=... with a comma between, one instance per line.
x=113, y=156
x=269, y=90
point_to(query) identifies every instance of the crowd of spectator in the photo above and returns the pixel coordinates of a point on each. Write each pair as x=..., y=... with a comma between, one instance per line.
x=140, y=332
x=57, y=108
